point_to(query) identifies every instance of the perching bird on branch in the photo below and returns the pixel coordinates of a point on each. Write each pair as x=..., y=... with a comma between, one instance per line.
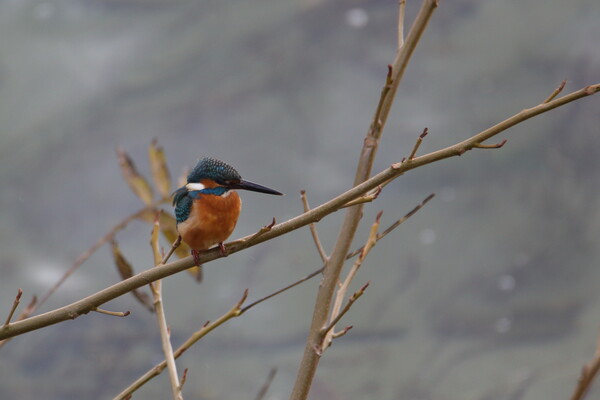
x=207, y=207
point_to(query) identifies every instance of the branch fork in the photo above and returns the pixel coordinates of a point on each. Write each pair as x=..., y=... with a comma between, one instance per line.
x=206, y=328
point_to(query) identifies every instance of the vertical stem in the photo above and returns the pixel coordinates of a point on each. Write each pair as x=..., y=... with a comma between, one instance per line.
x=166, y=341
x=161, y=318
x=333, y=267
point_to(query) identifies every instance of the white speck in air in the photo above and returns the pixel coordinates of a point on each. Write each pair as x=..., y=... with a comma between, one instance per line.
x=357, y=17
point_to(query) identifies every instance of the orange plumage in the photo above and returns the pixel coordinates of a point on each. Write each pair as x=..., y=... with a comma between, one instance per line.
x=211, y=221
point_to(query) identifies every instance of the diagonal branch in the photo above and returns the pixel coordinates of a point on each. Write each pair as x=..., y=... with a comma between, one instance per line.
x=83, y=306
x=257, y=302
x=394, y=225
x=199, y=334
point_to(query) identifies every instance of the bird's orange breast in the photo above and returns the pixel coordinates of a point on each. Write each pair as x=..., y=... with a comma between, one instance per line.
x=211, y=220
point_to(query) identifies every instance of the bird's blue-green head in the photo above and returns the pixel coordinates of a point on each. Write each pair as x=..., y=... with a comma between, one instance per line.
x=211, y=177
x=215, y=170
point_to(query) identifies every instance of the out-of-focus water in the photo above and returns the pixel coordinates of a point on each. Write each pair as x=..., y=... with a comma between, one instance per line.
x=487, y=293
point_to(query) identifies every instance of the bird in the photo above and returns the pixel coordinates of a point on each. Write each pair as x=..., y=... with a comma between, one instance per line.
x=207, y=207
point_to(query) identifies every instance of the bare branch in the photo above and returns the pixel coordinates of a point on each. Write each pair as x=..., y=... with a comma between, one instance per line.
x=342, y=332
x=307, y=277
x=183, y=379
x=156, y=288
x=343, y=287
x=333, y=268
x=24, y=314
x=395, y=170
x=417, y=144
x=14, y=306
x=394, y=225
x=126, y=271
x=556, y=92
x=108, y=237
x=261, y=231
x=369, y=197
x=112, y=313
x=313, y=228
x=343, y=312
x=401, y=7
x=174, y=247
x=203, y=331
x=490, y=146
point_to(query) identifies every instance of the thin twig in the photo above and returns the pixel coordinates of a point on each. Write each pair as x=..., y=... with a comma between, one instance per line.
x=260, y=232
x=24, y=314
x=328, y=332
x=313, y=228
x=556, y=92
x=265, y=387
x=417, y=144
x=342, y=332
x=346, y=308
x=174, y=247
x=112, y=313
x=343, y=287
x=490, y=146
x=14, y=306
x=307, y=277
x=183, y=379
x=401, y=7
x=369, y=197
x=394, y=225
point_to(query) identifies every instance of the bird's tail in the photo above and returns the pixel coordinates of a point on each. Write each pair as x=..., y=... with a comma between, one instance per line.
x=196, y=272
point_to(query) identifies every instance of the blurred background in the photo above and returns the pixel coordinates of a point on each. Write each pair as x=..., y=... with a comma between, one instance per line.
x=490, y=292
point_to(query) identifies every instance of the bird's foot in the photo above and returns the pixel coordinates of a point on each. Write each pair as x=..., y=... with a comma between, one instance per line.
x=196, y=255
x=224, y=252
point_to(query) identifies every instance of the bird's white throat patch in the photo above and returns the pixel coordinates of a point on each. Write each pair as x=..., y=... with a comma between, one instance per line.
x=194, y=186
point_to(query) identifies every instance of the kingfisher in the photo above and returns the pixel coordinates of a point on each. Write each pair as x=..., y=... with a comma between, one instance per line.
x=207, y=207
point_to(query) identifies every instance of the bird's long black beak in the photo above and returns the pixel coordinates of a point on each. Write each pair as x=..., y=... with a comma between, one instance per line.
x=254, y=187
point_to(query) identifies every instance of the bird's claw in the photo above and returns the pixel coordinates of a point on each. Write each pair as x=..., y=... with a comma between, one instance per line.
x=223, y=250
x=196, y=255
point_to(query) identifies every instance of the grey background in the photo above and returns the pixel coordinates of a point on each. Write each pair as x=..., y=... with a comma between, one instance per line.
x=488, y=293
